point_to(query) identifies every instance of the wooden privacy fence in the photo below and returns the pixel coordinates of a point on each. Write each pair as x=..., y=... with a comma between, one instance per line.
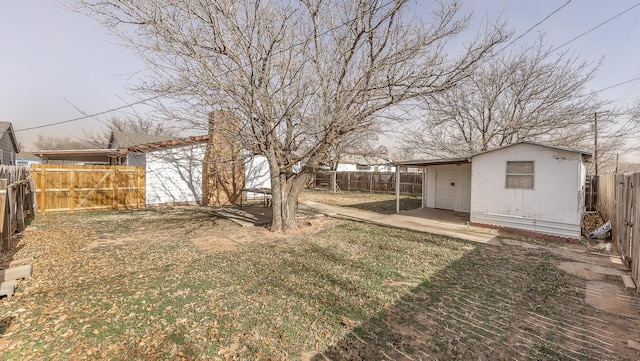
x=618, y=201
x=385, y=182
x=72, y=188
x=17, y=203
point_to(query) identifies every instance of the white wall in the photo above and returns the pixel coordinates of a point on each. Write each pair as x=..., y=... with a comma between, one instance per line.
x=174, y=175
x=459, y=192
x=552, y=207
x=257, y=173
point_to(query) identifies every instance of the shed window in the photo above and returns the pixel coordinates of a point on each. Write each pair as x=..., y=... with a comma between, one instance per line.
x=520, y=175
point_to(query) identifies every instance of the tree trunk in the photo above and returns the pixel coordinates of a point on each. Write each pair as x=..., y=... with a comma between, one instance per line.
x=285, y=189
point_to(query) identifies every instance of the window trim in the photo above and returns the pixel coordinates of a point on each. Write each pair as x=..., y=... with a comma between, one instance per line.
x=532, y=174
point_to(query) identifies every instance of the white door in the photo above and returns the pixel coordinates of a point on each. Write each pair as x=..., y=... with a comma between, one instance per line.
x=446, y=189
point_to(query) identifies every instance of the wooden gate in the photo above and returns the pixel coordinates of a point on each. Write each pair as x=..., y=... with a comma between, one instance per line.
x=618, y=201
x=88, y=187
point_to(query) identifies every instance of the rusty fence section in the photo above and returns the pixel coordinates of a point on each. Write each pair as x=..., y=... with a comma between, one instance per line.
x=618, y=198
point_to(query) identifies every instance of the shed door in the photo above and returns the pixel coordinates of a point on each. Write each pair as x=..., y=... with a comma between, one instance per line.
x=446, y=189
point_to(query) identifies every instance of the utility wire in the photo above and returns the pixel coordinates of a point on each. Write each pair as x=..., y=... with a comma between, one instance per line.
x=111, y=110
x=534, y=26
x=595, y=27
x=95, y=114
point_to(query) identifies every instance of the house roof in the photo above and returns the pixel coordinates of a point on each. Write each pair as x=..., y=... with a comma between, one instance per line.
x=124, y=140
x=27, y=156
x=7, y=127
x=168, y=143
x=78, y=155
x=566, y=149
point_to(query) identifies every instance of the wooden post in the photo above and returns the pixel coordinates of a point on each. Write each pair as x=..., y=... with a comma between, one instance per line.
x=371, y=182
x=139, y=189
x=114, y=184
x=72, y=191
x=4, y=229
x=43, y=187
x=20, y=205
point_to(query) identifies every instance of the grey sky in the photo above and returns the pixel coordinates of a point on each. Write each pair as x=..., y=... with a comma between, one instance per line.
x=53, y=60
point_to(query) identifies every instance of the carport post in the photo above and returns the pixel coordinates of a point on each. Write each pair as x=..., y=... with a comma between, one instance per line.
x=397, y=188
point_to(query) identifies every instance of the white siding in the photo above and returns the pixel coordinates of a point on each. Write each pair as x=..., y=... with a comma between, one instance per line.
x=448, y=187
x=174, y=175
x=552, y=206
x=257, y=174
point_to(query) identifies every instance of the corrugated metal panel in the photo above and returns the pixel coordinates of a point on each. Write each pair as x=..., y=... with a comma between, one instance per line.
x=527, y=224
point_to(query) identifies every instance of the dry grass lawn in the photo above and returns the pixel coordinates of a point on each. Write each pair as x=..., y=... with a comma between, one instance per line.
x=179, y=283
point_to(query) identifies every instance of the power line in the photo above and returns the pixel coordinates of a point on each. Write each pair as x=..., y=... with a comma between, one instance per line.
x=111, y=110
x=534, y=26
x=614, y=86
x=95, y=114
x=595, y=27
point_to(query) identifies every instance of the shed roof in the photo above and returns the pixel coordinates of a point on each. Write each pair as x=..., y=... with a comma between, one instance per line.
x=566, y=149
x=429, y=162
x=432, y=162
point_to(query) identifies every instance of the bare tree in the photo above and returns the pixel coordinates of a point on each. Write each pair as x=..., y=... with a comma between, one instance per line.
x=301, y=75
x=531, y=94
x=129, y=125
x=55, y=143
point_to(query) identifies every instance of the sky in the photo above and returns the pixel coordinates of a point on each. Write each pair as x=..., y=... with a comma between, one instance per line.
x=56, y=65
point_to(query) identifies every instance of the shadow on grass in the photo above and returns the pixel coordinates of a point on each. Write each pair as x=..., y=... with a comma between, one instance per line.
x=487, y=306
x=388, y=207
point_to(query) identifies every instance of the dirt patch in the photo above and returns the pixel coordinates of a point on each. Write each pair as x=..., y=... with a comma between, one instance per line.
x=609, y=298
x=589, y=271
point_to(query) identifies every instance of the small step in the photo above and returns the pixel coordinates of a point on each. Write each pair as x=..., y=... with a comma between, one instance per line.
x=628, y=281
x=15, y=273
x=8, y=288
x=16, y=262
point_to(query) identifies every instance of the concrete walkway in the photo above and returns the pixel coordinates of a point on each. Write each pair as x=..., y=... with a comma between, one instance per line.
x=442, y=227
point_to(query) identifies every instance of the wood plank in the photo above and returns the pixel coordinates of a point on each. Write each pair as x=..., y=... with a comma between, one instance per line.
x=4, y=222
x=16, y=273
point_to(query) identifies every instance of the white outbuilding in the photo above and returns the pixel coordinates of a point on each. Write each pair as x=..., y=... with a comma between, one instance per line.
x=525, y=186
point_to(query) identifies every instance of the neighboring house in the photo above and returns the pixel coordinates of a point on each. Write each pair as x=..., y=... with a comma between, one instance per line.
x=173, y=167
x=361, y=163
x=8, y=144
x=27, y=159
x=525, y=186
